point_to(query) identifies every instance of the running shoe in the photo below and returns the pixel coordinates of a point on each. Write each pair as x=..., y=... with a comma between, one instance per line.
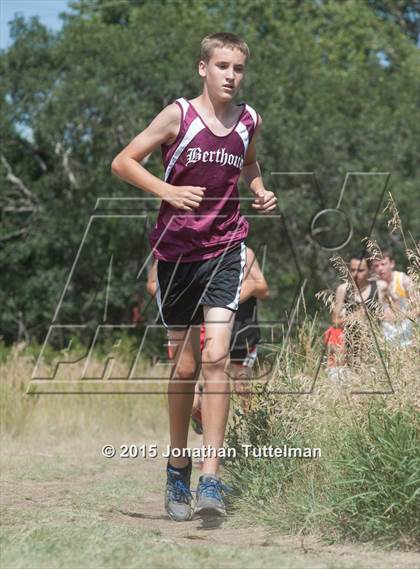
x=209, y=497
x=177, y=494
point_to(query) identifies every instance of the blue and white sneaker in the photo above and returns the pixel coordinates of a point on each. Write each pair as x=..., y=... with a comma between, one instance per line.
x=209, y=497
x=177, y=494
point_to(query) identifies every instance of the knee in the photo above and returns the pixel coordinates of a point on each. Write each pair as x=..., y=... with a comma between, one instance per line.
x=215, y=357
x=185, y=371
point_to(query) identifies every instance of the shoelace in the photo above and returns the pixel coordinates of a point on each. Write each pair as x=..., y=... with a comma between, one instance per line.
x=213, y=489
x=180, y=491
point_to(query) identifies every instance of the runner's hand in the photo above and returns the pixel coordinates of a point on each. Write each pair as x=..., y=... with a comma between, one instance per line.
x=186, y=198
x=265, y=201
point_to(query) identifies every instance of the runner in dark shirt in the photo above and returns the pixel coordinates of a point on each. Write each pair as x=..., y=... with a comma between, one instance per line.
x=355, y=300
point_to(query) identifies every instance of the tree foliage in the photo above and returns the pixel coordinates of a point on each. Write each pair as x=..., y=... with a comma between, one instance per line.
x=335, y=83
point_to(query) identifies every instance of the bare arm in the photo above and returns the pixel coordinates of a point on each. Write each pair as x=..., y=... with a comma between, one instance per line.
x=151, y=285
x=413, y=294
x=336, y=318
x=251, y=173
x=163, y=129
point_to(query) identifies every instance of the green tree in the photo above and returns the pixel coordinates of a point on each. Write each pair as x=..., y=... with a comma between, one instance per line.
x=334, y=82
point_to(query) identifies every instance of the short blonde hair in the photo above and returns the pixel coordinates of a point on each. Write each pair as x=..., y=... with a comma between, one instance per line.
x=222, y=39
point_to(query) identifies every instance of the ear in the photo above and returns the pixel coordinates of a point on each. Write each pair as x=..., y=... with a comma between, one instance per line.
x=202, y=68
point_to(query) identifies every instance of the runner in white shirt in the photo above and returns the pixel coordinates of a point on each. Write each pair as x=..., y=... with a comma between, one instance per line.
x=397, y=326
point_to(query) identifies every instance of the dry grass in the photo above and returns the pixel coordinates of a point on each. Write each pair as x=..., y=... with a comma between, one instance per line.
x=68, y=414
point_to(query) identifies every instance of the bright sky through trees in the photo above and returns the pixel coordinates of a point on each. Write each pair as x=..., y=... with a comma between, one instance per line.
x=47, y=11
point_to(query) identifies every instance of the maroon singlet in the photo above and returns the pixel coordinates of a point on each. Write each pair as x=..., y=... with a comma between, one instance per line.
x=198, y=157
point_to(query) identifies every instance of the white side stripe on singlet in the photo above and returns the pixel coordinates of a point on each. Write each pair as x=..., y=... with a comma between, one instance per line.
x=243, y=133
x=234, y=305
x=184, y=104
x=253, y=114
x=195, y=127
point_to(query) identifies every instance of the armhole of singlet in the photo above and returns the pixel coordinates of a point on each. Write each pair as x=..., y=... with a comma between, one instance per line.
x=399, y=288
x=255, y=120
x=254, y=115
x=405, y=284
x=181, y=123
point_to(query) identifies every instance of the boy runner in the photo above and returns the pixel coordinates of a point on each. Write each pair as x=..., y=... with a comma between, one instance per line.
x=396, y=326
x=199, y=243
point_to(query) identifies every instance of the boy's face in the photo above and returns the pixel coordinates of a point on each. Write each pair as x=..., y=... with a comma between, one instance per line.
x=224, y=72
x=384, y=267
x=359, y=271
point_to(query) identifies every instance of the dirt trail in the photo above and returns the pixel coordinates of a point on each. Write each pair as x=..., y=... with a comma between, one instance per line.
x=74, y=477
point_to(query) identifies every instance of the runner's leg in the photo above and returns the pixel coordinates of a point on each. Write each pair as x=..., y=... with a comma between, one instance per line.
x=215, y=400
x=181, y=387
x=197, y=399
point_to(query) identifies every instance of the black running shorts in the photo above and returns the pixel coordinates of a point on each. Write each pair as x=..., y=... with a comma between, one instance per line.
x=183, y=288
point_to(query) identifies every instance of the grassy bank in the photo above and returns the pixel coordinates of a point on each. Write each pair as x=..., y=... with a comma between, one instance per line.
x=366, y=484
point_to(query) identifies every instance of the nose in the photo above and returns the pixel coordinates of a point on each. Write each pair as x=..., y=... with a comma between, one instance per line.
x=230, y=75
